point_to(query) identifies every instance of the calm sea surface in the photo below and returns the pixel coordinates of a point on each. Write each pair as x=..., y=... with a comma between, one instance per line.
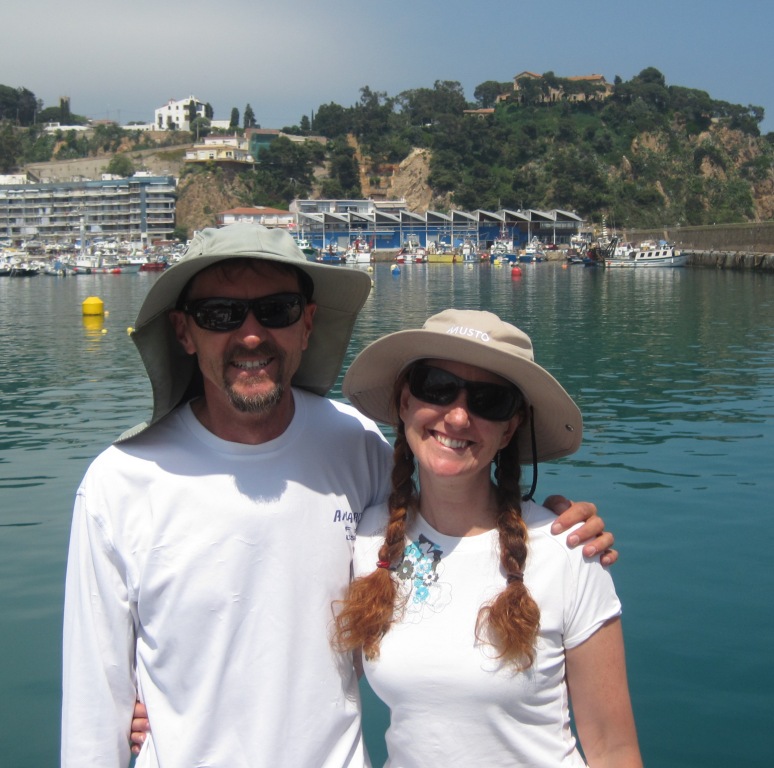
x=674, y=373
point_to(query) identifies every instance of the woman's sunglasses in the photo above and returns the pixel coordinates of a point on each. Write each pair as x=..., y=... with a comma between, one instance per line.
x=276, y=311
x=493, y=402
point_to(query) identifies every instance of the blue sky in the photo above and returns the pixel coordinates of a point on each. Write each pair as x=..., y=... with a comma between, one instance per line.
x=122, y=60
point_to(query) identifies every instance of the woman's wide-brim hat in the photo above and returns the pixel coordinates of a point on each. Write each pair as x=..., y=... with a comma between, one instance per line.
x=481, y=339
x=339, y=293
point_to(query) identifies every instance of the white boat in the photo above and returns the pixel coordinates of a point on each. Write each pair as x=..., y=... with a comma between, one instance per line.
x=580, y=243
x=502, y=251
x=307, y=248
x=25, y=269
x=533, y=252
x=647, y=254
x=411, y=252
x=98, y=266
x=55, y=268
x=358, y=252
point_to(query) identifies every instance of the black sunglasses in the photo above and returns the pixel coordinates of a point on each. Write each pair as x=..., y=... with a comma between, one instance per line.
x=493, y=402
x=223, y=314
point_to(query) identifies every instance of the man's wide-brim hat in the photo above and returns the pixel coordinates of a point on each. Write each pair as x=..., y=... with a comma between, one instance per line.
x=339, y=293
x=481, y=339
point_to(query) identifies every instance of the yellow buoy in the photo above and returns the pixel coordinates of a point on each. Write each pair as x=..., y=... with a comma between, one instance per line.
x=93, y=323
x=93, y=305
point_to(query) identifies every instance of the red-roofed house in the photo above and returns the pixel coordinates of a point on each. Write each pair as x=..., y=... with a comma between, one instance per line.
x=575, y=88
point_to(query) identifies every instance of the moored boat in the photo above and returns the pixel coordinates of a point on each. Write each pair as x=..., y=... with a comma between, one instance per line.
x=82, y=268
x=502, y=251
x=331, y=255
x=440, y=254
x=307, y=248
x=24, y=269
x=533, y=253
x=411, y=252
x=647, y=254
x=358, y=252
x=154, y=266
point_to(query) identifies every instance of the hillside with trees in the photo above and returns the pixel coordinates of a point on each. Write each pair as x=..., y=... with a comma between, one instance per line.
x=646, y=154
x=649, y=154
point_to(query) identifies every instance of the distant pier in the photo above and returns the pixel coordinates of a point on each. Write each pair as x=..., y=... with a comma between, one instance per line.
x=724, y=246
x=738, y=260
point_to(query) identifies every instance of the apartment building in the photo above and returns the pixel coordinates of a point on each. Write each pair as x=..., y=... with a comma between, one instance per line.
x=138, y=209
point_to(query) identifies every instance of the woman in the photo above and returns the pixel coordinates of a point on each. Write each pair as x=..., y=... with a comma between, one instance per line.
x=475, y=623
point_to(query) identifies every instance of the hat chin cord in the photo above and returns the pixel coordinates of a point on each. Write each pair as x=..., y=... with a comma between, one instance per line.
x=526, y=496
x=529, y=496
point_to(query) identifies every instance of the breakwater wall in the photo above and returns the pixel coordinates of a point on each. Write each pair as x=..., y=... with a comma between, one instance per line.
x=744, y=238
x=715, y=259
x=722, y=246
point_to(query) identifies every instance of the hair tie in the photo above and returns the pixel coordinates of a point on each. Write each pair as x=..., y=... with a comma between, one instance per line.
x=517, y=576
x=383, y=564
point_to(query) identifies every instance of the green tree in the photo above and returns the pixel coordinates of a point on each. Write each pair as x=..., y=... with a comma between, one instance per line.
x=530, y=90
x=201, y=127
x=371, y=117
x=234, y=122
x=121, y=165
x=249, y=117
x=332, y=120
x=18, y=105
x=106, y=138
x=344, y=169
x=64, y=110
x=284, y=170
x=486, y=93
x=10, y=148
x=190, y=111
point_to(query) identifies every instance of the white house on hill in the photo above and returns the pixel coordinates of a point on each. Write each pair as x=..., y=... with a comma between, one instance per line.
x=174, y=114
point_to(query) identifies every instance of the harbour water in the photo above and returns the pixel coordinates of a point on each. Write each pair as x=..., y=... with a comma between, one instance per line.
x=673, y=370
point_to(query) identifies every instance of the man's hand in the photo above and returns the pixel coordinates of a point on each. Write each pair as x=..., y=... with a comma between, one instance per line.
x=598, y=540
x=140, y=727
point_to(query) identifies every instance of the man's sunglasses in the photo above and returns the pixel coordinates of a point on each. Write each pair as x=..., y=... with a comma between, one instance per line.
x=222, y=314
x=493, y=402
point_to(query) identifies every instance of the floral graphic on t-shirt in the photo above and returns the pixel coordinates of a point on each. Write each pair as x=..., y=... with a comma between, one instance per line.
x=419, y=573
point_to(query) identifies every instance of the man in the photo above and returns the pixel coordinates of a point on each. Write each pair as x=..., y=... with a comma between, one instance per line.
x=208, y=545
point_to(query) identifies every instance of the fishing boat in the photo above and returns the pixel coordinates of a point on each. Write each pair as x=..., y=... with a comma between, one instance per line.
x=647, y=254
x=307, y=248
x=55, y=268
x=358, y=252
x=154, y=265
x=411, y=252
x=24, y=269
x=502, y=251
x=469, y=252
x=533, y=253
x=331, y=255
x=98, y=267
x=579, y=248
x=440, y=254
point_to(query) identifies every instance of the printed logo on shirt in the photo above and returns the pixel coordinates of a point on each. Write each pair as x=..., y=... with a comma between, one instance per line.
x=419, y=574
x=350, y=520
